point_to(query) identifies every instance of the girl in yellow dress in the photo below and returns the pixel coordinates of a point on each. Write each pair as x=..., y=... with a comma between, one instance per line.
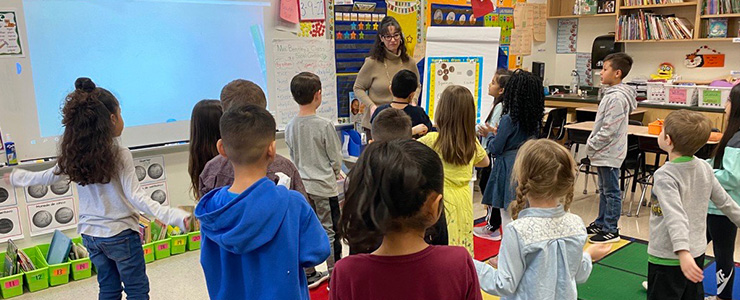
x=457, y=145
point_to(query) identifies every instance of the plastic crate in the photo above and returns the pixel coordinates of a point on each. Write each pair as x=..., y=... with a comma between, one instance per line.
x=81, y=268
x=681, y=95
x=656, y=92
x=10, y=286
x=148, y=252
x=37, y=279
x=162, y=248
x=194, y=240
x=711, y=96
x=58, y=273
x=179, y=244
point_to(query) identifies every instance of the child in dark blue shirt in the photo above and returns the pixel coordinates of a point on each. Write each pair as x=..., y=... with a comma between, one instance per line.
x=403, y=88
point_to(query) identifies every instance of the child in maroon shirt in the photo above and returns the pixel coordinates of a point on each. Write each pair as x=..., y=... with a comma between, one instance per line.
x=395, y=193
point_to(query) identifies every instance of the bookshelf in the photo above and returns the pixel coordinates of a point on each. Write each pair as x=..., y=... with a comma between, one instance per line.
x=688, y=10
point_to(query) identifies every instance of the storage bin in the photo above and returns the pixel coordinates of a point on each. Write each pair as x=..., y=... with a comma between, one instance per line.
x=81, y=268
x=148, y=252
x=656, y=92
x=162, y=248
x=58, y=273
x=711, y=96
x=10, y=286
x=179, y=244
x=681, y=94
x=37, y=279
x=194, y=240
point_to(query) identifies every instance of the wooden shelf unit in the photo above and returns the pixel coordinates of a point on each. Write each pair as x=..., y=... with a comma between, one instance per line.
x=667, y=5
x=720, y=16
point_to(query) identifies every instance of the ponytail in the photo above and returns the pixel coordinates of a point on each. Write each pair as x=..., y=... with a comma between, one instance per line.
x=88, y=153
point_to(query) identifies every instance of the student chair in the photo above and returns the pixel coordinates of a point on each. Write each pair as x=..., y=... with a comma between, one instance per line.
x=555, y=125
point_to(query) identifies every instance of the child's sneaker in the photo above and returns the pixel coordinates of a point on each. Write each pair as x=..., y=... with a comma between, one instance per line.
x=644, y=285
x=315, y=279
x=604, y=237
x=593, y=229
x=485, y=232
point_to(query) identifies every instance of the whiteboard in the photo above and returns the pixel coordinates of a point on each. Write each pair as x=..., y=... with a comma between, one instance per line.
x=293, y=56
x=470, y=42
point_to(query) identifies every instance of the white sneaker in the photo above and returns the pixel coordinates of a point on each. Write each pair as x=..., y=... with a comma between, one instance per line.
x=644, y=285
x=485, y=232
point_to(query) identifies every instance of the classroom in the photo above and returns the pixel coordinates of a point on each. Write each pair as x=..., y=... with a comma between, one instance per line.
x=369, y=149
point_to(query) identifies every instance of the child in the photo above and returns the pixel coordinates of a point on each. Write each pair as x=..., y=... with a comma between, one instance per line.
x=523, y=107
x=256, y=235
x=720, y=230
x=607, y=145
x=315, y=148
x=460, y=150
x=403, y=88
x=219, y=172
x=203, y=137
x=495, y=90
x=682, y=189
x=542, y=253
x=110, y=196
x=394, y=194
x=391, y=124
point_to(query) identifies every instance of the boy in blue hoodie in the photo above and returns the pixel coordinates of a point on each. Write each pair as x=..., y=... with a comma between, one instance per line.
x=258, y=236
x=607, y=145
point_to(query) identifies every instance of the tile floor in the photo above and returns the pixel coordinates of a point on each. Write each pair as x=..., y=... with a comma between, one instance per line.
x=181, y=277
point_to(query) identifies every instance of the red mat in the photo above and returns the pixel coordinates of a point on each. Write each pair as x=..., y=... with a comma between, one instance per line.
x=482, y=248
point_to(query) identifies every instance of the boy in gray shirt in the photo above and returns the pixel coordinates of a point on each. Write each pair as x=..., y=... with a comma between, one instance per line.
x=681, y=192
x=315, y=149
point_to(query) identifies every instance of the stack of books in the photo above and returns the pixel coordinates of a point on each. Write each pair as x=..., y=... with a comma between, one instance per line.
x=16, y=260
x=646, y=25
x=715, y=7
x=145, y=230
x=649, y=2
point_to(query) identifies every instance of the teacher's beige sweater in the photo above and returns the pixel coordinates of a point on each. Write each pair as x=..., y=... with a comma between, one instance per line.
x=373, y=82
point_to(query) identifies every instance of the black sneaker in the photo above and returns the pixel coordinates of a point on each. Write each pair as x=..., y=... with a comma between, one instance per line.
x=604, y=238
x=315, y=279
x=593, y=229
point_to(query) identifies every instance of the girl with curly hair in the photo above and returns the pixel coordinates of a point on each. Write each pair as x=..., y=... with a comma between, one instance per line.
x=110, y=197
x=524, y=106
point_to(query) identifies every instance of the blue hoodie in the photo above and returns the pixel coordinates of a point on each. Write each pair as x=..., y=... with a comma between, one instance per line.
x=255, y=245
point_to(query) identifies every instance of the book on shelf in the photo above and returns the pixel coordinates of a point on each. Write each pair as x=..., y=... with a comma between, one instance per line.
x=716, y=7
x=11, y=259
x=649, y=2
x=646, y=25
x=717, y=28
x=25, y=263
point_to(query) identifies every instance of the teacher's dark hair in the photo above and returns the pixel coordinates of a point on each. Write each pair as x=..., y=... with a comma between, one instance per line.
x=378, y=50
x=88, y=152
x=733, y=126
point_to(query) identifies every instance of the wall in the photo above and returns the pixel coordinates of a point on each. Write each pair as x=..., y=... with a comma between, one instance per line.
x=647, y=56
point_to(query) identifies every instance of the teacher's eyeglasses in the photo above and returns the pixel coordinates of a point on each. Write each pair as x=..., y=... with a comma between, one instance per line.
x=391, y=37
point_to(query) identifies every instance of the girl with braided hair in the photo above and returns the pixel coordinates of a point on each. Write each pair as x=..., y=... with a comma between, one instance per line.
x=523, y=108
x=541, y=255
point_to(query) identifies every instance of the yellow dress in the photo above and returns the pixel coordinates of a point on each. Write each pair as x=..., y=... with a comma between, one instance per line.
x=458, y=198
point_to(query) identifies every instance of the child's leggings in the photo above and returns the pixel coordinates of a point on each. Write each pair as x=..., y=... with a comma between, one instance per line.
x=118, y=259
x=721, y=231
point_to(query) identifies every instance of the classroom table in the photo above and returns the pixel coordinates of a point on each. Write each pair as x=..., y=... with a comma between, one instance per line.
x=588, y=113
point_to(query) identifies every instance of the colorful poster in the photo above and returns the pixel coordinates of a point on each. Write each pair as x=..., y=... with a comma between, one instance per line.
x=407, y=15
x=567, y=36
x=48, y=216
x=10, y=38
x=7, y=195
x=583, y=66
x=454, y=15
x=10, y=224
x=447, y=71
x=503, y=17
x=38, y=193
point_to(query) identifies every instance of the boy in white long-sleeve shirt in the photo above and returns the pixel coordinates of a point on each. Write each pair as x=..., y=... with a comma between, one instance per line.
x=681, y=193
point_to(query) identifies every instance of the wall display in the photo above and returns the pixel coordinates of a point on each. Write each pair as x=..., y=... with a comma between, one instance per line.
x=503, y=17
x=8, y=196
x=312, y=10
x=715, y=59
x=150, y=169
x=37, y=193
x=289, y=11
x=10, y=38
x=10, y=224
x=447, y=71
x=407, y=14
x=454, y=15
x=567, y=36
x=158, y=192
x=312, y=29
x=48, y=216
x=583, y=65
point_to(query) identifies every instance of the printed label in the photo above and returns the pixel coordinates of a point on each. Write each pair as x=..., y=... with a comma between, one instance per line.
x=60, y=272
x=82, y=266
x=677, y=95
x=147, y=251
x=179, y=242
x=196, y=238
x=163, y=247
x=12, y=283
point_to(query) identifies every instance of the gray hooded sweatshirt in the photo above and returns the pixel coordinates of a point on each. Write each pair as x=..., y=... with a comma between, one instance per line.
x=607, y=144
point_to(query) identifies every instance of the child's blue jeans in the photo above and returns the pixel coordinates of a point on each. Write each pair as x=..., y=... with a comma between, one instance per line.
x=610, y=199
x=117, y=259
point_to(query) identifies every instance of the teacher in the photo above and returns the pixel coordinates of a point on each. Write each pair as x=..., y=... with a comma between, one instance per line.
x=387, y=57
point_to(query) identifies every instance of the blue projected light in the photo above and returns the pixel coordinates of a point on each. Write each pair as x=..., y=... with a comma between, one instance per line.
x=158, y=57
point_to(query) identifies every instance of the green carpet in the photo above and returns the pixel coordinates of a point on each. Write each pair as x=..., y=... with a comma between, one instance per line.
x=631, y=258
x=607, y=283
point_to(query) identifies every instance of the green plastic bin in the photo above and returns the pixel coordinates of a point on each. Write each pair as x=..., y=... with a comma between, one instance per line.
x=194, y=240
x=179, y=244
x=10, y=286
x=148, y=252
x=81, y=268
x=162, y=248
x=58, y=273
x=37, y=279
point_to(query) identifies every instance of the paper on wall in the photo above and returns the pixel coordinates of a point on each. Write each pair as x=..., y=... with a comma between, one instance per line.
x=583, y=66
x=567, y=36
x=539, y=24
x=10, y=39
x=521, y=41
